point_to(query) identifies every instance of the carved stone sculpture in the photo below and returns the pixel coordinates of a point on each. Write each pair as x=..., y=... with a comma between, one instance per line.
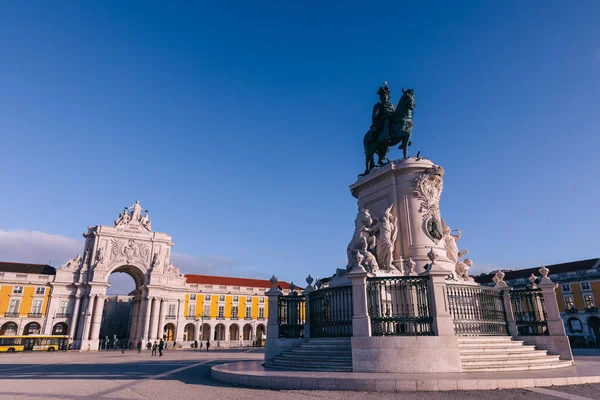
x=386, y=233
x=100, y=255
x=132, y=217
x=155, y=262
x=462, y=269
x=428, y=189
x=123, y=218
x=362, y=229
x=498, y=277
x=72, y=264
x=146, y=223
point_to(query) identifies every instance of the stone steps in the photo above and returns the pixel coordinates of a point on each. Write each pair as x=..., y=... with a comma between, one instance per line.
x=316, y=355
x=488, y=354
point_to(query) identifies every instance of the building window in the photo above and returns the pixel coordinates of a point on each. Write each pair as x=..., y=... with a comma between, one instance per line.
x=14, y=305
x=207, y=297
x=585, y=286
x=222, y=298
x=575, y=325
x=171, y=309
x=17, y=289
x=192, y=310
x=589, y=301
x=36, y=307
x=206, y=310
x=248, y=312
x=569, y=303
x=261, y=313
x=234, y=312
x=64, y=307
x=193, y=297
x=236, y=299
x=221, y=312
x=248, y=299
x=222, y=287
x=261, y=300
x=566, y=288
x=40, y=290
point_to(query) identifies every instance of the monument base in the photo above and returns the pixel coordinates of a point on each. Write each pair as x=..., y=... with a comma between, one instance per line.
x=410, y=354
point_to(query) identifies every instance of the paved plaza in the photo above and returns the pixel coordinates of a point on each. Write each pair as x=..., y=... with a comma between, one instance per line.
x=185, y=374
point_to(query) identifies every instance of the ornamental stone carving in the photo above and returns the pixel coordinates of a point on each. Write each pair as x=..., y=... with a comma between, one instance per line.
x=428, y=189
x=72, y=264
x=362, y=229
x=100, y=256
x=130, y=251
x=386, y=232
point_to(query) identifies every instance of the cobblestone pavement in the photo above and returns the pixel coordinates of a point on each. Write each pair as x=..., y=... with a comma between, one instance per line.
x=186, y=375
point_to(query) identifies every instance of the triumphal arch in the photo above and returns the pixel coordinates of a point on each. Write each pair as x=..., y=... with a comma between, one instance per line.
x=130, y=246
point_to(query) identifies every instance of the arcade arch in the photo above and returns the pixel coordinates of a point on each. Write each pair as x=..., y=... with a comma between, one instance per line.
x=59, y=329
x=32, y=328
x=234, y=332
x=8, y=328
x=220, y=332
x=247, y=332
x=169, y=332
x=206, y=332
x=189, y=333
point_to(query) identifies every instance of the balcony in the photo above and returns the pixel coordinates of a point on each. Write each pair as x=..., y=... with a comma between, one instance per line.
x=170, y=316
x=235, y=318
x=11, y=314
x=591, y=309
x=191, y=318
x=220, y=318
x=34, y=315
x=571, y=310
x=63, y=315
x=261, y=318
x=248, y=318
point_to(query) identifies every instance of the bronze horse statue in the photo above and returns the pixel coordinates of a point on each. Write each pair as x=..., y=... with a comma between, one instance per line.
x=390, y=127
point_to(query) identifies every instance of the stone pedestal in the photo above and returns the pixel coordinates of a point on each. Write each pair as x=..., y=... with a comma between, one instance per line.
x=413, y=187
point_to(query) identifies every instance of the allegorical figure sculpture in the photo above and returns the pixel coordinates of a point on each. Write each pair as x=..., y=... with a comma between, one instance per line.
x=450, y=243
x=389, y=126
x=132, y=217
x=362, y=229
x=386, y=233
x=462, y=269
x=72, y=264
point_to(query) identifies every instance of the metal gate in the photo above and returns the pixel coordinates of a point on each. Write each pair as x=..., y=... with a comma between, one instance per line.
x=331, y=312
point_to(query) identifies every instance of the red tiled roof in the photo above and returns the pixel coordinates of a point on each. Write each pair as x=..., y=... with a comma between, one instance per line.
x=228, y=281
x=27, y=268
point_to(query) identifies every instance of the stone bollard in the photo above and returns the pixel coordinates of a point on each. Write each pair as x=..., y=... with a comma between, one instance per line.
x=272, y=322
x=508, y=309
x=306, y=293
x=361, y=323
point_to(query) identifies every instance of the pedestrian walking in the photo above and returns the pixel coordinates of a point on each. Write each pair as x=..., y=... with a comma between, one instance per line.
x=195, y=345
x=201, y=345
x=139, y=347
x=154, y=348
x=207, y=345
x=148, y=346
x=123, y=344
x=174, y=343
x=161, y=346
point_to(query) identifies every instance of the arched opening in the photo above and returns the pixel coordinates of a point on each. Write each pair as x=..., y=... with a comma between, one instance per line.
x=234, y=332
x=205, y=332
x=121, y=307
x=60, y=329
x=32, y=328
x=169, y=334
x=8, y=329
x=247, y=332
x=260, y=334
x=189, y=333
x=220, y=332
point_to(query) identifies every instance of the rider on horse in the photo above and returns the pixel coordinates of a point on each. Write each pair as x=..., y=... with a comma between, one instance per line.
x=382, y=116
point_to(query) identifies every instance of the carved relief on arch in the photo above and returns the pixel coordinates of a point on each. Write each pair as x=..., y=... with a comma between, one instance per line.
x=129, y=252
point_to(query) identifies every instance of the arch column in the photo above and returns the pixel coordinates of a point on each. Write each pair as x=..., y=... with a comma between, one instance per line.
x=133, y=336
x=145, y=317
x=161, y=318
x=96, y=321
x=73, y=319
x=153, y=318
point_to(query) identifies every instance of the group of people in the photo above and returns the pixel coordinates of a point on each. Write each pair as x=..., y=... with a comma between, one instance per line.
x=155, y=347
x=195, y=345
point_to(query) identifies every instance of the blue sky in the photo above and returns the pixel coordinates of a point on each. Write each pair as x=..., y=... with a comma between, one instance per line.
x=240, y=128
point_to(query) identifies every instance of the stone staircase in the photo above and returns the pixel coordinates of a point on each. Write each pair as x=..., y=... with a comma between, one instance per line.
x=501, y=353
x=327, y=354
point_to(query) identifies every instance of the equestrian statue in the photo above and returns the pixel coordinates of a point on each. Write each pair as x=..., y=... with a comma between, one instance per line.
x=390, y=126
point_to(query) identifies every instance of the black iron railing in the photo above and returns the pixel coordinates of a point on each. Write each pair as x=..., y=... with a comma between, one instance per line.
x=291, y=313
x=591, y=309
x=11, y=314
x=63, y=315
x=398, y=306
x=34, y=315
x=331, y=312
x=571, y=310
x=477, y=310
x=530, y=312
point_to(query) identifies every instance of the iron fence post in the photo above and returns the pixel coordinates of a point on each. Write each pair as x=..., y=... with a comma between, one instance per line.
x=361, y=323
